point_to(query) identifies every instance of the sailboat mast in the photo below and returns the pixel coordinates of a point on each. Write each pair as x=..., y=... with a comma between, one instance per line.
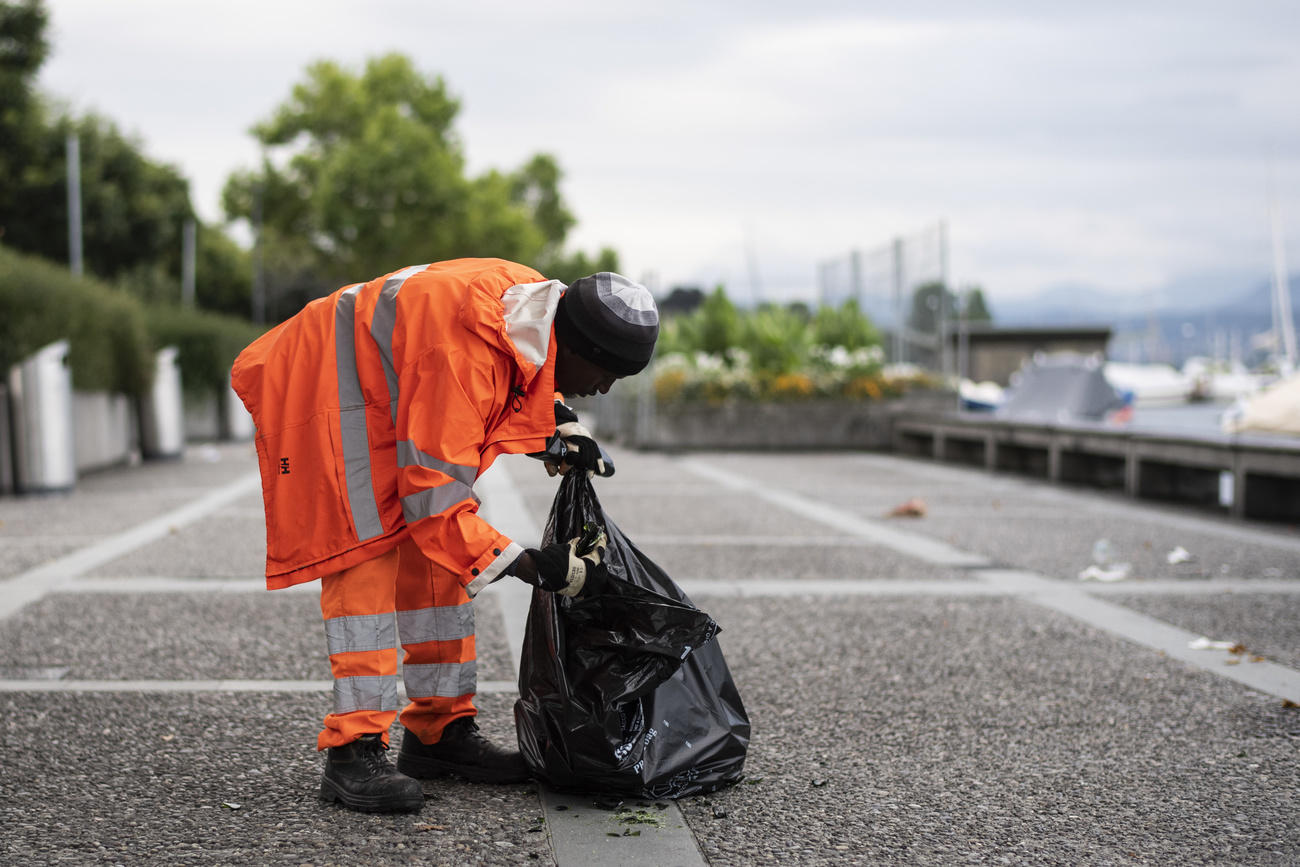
x=1284, y=326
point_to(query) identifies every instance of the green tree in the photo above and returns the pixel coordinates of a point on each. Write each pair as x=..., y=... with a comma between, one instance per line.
x=929, y=302
x=976, y=308
x=717, y=324
x=845, y=326
x=365, y=174
x=23, y=48
x=132, y=208
x=777, y=340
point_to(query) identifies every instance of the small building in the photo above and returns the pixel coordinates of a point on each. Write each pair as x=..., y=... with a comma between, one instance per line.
x=991, y=353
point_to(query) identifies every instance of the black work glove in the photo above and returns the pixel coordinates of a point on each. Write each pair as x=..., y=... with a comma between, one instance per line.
x=573, y=447
x=566, y=569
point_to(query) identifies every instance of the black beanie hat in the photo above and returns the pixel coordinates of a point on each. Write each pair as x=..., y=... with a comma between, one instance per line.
x=610, y=321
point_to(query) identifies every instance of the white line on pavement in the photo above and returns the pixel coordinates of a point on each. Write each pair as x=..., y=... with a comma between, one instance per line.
x=1067, y=599
x=1111, y=505
x=145, y=584
x=912, y=544
x=578, y=831
x=1267, y=677
x=171, y=686
x=760, y=587
x=31, y=585
x=504, y=508
x=754, y=586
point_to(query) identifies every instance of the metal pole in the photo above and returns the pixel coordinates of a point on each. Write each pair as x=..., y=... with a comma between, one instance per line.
x=74, y=204
x=188, y=238
x=1285, y=325
x=945, y=356
x=963, y=337
x=259, y=283
x=899, y=323
x=855, y=275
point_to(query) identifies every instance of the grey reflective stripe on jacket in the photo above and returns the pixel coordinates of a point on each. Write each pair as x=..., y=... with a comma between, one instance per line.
x=352, y=421
x=434, y=501
x=382, y=325
x=495, y=569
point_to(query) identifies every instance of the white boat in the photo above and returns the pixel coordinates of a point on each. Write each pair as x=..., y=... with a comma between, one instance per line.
x=1274, y=410
x=1221, y=381
x=1149, y=384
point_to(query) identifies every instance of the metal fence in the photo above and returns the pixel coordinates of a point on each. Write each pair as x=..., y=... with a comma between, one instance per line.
x=883, y=279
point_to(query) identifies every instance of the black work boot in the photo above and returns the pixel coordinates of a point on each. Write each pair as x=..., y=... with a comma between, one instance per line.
x=462, y=751
x=359, y=776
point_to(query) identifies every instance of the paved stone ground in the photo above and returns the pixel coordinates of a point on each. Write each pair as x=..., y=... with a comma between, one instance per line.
x=897, y=717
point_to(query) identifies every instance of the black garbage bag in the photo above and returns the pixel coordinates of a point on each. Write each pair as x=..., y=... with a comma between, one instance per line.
x=623, y=690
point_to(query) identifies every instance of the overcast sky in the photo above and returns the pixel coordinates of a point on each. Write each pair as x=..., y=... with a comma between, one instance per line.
x=1119, y=145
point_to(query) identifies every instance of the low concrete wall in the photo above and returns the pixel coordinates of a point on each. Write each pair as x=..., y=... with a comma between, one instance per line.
x=212, y=417
x=634, y=420
x=1250, y=476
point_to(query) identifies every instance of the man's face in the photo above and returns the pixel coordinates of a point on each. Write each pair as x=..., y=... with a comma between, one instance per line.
x=576, y=376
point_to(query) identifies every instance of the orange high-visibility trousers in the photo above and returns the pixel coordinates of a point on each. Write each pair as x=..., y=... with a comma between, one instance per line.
x=367, y=608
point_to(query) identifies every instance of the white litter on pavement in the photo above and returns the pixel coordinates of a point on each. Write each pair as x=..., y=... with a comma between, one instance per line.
x=1118, y=572
x=1206, y=644
x=1178, y=555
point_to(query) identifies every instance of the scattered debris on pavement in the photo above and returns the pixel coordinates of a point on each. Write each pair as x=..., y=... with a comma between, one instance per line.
x=1104, y=566
x=1179, y=555
x=913, y=508
x=1204, y=643
x=1118, y=572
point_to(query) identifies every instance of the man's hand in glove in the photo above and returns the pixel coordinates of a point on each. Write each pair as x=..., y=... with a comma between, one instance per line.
x=560, y=568
x=581, y=451
x=572, y=445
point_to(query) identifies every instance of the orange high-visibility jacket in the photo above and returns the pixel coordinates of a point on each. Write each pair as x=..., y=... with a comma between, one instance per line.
x=378, y=406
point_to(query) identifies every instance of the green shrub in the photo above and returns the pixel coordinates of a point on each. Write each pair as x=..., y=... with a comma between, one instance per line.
x=208, y=343
x=41, y=302
x=112, y=337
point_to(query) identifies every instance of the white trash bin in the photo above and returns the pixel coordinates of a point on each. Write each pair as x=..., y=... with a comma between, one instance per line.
x=162, y=411
x=40, y=400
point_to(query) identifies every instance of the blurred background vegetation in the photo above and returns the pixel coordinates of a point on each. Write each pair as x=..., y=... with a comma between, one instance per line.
x=362, y=172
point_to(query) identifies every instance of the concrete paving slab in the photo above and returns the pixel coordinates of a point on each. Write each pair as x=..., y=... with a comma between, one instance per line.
x=940, y=731
x=260, y=635
x=226, y=779
x=223, y=545
x=228, y=543
x=37, y=528
x=687, y=561
x=928, y=727
x=1265, y=624
x=724, y=513
x=1031, y=524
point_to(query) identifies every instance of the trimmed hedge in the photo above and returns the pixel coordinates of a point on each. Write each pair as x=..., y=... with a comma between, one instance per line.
x=41, y=302
x=112, y=336
x=208, y=344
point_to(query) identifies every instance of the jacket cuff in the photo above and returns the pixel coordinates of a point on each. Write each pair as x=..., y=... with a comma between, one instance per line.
x=500, y=560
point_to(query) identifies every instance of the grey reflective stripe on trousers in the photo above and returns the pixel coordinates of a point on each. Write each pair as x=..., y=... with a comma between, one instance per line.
x=383, y=323
x=441, y=680
x=360, y=632
x=445, y=623
x=352, y=420
x=365, y=693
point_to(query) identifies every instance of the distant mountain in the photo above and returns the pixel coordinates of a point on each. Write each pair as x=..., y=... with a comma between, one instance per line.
x=1203, y=315
x=1073, y=304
